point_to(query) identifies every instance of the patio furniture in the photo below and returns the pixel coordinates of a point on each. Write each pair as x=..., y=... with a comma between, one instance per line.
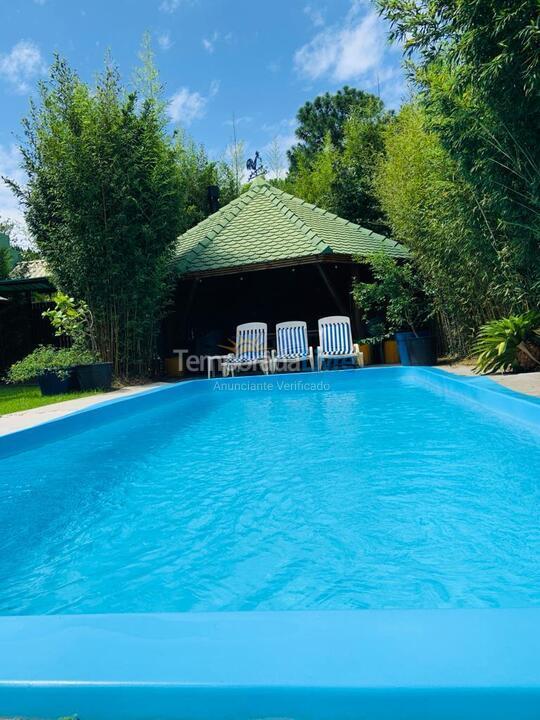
x=210, y=359
x=292, y=345
x=251, y=349
x=335, y=341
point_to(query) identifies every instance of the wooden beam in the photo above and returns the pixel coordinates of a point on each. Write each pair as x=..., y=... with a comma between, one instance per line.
x=254, y=267
x=331, y=290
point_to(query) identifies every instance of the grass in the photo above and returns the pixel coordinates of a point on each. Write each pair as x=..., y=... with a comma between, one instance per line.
x=14, y=398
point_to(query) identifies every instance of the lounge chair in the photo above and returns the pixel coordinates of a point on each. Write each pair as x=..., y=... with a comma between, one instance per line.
x=251, y=349
x=292, y=344
x=335, y=341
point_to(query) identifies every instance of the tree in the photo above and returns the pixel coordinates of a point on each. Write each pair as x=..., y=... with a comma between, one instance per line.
x=431, y=209
x=197, y=173
x=353, y=189
x=102, y=204
x=236, y=158
x=477, y=67
x=326, y=117
x=276, y=160
x=5, y=262
x=314, y=181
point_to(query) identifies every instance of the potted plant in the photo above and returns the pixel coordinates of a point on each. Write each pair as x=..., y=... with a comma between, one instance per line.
x=397, y=296
x=51, y=367
x=509, y=344
x=74, y=319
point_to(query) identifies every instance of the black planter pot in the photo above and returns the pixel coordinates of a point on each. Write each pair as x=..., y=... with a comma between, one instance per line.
x=94, y=377
x=421, y=350
x=51, y=384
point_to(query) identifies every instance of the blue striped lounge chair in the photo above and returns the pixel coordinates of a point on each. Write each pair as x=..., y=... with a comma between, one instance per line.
x=291, y=345
x=335, y=341
x=251, y=349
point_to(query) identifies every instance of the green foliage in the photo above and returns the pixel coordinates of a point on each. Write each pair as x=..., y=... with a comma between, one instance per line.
x=73, y=319
x=432, y=210
x=47, y=358
x=102, y=202
x=477, y=67
x=196, y=174
x=502, y=343
x=327, y=116
x=314, y=181
x=5, y=262
x=334, y=165
x=396, y=294
x=353, y=187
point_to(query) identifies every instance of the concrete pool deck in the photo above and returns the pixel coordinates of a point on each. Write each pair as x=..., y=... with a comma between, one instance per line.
x=526, y=383
x=28, y=418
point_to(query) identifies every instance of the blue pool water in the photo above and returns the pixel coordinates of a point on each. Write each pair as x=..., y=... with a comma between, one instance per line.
x=374, y=491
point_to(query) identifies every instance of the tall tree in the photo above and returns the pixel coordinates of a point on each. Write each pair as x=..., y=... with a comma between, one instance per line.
x=431, y=209
x=327, y=116
x=197, y=173
x=102, y=204
x=477, y=66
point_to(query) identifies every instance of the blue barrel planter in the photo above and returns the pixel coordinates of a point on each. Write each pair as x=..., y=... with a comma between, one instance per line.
x=401, y=339
x=421, y=350
x=50, y=384
x=97, y=376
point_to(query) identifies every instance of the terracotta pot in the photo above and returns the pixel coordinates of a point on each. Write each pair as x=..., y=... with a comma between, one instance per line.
x=391, y=352
x=367, y=351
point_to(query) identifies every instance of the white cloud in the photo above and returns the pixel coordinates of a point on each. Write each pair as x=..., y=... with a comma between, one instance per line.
x=169, y=6
x=242, y=120
x=22, y=65
x=10, y=166
x=281, y=127
x=186, y=106
x=346, y=51
x=315, y=15
x=164, y=41
x=209, y=42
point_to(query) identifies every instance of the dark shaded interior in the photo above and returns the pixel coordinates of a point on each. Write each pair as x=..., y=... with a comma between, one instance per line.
x=207, y=309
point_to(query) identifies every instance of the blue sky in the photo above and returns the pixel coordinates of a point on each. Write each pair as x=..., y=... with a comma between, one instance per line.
x=257, y=60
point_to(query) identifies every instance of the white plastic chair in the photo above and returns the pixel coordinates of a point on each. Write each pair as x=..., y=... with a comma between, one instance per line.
x=292, y=344
x=251, y=349
x=335, y=341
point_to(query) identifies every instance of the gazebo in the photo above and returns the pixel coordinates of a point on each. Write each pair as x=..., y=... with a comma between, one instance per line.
x=266, y=256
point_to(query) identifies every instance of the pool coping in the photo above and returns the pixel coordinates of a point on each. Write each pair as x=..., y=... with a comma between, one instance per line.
x=368, y=663
x=272, y=664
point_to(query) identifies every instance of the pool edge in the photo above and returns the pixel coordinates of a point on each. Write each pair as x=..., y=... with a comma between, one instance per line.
x=266, y=664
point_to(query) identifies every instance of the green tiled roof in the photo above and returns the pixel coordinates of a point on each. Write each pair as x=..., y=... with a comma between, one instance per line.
x=267, y=225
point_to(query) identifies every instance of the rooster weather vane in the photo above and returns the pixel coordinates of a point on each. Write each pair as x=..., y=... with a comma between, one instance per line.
x=255, y=166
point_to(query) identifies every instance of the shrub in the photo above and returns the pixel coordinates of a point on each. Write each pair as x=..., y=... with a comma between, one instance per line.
x=511, y=343
x=72, y=318
x=47, y=358
x=395, y=295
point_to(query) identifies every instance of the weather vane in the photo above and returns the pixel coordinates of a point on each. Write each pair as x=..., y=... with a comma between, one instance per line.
x=255, y=166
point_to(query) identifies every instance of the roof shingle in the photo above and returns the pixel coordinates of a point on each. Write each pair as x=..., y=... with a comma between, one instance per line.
x=267, y=225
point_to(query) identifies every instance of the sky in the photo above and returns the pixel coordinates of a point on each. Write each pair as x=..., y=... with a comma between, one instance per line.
x=256, y=61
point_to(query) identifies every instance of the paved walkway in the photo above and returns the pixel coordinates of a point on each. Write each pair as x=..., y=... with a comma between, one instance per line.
x=527, y=383
x=35, y=416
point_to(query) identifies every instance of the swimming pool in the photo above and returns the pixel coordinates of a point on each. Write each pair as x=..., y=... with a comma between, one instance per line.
x=403, y=493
